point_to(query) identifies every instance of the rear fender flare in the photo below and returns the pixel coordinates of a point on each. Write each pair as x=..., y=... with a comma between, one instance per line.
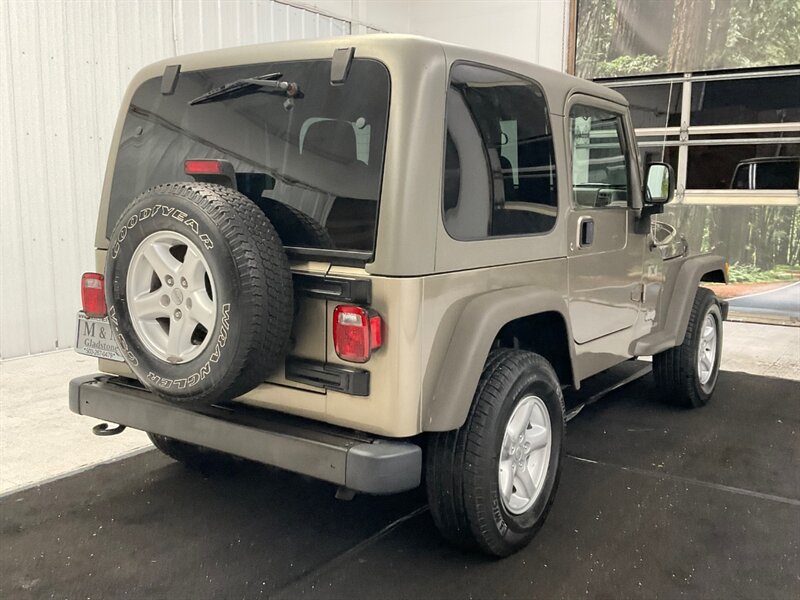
x=475, y=330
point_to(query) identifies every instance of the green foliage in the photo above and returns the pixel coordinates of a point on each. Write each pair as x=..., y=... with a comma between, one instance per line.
x=630, y=65
x=740, y=273
x=738, y=34
x=761, y=33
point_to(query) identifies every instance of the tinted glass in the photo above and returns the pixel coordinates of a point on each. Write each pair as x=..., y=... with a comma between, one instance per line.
x=719, y=167
x=654, y=105
x=599, y=158
x=739, y=101
x=500, y=176
x=777, y=174
x=323, y=156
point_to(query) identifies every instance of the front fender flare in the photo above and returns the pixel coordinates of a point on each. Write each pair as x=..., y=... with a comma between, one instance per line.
x=680, y=304
x=470, y=343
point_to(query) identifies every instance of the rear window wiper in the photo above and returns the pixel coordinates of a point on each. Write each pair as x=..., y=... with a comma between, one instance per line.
x=269, y=83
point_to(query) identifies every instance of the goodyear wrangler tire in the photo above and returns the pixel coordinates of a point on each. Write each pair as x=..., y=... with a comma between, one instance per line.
x=491, y=482
x=199, y=292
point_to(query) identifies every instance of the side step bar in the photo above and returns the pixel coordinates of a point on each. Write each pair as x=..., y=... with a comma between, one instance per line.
x=355, y=461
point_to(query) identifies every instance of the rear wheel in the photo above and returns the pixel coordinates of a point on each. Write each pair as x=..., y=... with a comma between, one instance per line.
x=687, y=374
x=196, y=458
x=491, y=483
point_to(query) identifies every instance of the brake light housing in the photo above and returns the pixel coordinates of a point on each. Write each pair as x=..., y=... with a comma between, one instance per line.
x=357, y=332
x=203, y=166
x=93, y=294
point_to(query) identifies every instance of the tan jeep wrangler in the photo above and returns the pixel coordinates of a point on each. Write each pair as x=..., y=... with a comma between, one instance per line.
x=366, y=258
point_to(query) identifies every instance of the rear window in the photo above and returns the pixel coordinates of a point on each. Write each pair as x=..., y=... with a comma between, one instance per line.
x=320, y=154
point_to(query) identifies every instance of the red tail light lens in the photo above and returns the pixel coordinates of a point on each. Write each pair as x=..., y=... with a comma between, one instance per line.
x=356, y=332
x=93, y=294
x=202, y=167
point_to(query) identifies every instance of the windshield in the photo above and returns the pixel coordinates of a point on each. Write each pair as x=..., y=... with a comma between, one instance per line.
x=320, y=153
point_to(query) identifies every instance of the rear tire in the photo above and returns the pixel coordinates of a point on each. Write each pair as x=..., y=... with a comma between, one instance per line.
x=686, y=375
x=294, y=227
x=465, y=467
x=196, y=458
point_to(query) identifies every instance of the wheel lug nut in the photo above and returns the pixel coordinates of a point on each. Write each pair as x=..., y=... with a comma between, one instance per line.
x=184, y=283
x=169, y=280
x=178, y=314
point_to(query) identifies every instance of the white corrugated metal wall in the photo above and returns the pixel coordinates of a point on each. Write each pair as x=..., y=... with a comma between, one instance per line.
x=64, y=65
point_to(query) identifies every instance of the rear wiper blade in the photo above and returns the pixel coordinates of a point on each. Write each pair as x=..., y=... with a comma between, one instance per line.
x=250, y=85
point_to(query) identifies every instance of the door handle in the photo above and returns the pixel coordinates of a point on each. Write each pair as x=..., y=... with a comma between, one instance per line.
x=585, y=232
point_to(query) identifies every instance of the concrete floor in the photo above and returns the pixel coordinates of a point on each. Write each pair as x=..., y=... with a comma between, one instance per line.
x=41, y=439
x=654, y=502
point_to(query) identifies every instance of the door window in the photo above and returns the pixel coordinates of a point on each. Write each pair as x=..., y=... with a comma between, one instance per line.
x=600, y=173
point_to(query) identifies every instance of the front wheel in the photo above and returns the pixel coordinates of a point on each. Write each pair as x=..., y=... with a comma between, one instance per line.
x=491, y=483
x=687, y=374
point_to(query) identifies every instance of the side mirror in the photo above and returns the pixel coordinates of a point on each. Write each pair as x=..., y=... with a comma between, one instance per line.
x=660, y=186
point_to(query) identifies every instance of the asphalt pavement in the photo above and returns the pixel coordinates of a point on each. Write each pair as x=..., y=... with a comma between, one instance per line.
x=782, y=304
x=654, y=502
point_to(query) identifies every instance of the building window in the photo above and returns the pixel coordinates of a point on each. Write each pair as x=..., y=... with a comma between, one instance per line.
x=500, y=175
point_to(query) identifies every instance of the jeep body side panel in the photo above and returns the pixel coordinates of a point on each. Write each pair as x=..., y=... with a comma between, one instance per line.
x=463, y=313
x=681, y=278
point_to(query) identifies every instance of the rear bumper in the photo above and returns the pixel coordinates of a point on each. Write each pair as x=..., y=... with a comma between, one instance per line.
x=359, y=462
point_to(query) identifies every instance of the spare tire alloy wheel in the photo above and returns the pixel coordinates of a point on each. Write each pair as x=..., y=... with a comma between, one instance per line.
x=199, y=292
x=171, y=297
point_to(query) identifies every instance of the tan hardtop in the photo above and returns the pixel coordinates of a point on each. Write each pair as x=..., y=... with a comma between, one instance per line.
x=419, y=69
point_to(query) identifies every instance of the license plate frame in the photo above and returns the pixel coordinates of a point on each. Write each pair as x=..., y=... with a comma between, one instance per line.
x=94, y=338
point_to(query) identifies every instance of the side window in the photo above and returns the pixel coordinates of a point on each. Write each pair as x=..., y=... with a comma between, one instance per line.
x=600, y=174
x=499, y=172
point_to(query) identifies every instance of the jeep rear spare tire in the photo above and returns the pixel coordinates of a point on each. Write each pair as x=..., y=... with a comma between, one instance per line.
x=199, y=292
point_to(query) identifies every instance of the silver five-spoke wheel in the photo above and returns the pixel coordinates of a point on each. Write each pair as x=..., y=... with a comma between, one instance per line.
x=171, y=297
x=707, y=351
x=524, y=455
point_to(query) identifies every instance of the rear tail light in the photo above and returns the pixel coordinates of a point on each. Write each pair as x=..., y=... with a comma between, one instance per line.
x=356, y=332
x=93, y=294
x=203, y=167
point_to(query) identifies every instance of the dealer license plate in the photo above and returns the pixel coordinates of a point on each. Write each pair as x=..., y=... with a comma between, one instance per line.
x=95, y=339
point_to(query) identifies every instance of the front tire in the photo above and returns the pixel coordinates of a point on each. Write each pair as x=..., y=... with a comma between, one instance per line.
x=686, y=375
x=491, y=483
